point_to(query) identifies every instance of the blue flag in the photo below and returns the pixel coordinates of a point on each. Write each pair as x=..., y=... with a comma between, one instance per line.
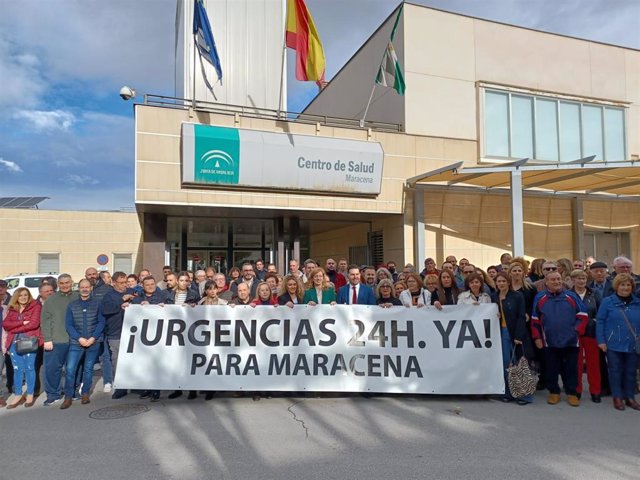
x=204, y=37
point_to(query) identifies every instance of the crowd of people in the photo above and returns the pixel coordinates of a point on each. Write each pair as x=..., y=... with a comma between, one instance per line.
x=560, y=315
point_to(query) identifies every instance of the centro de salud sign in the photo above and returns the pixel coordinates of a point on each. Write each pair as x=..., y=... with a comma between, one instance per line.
x=225, y=156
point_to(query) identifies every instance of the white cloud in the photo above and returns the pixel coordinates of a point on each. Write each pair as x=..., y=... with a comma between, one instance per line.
x=22, y=83
x=67, y=162
x=104, y=44
x=75, y=179
x=47, y=120
x=11, y=166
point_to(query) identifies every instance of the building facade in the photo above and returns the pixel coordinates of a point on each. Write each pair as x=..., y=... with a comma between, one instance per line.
x=479, y=93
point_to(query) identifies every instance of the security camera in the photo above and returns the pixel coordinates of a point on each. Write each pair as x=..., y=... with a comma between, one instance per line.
x=127, y=93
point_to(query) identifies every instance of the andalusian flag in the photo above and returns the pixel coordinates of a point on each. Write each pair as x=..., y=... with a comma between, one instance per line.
x=303, y=37
x=390, y=71
x=204, y=41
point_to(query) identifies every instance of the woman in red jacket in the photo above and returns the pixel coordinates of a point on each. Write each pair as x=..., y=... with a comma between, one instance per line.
x=23, y=318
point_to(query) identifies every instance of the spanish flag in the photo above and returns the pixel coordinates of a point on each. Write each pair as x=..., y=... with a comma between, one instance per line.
x=302, y=36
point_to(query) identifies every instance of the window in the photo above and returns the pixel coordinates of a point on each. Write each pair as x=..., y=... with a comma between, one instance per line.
x=48, y=262
x=376, y=247
x=531, y=126
x=122, y=263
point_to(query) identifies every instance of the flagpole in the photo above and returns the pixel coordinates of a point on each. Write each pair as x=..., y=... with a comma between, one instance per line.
x=282, y=69
x=193, y=72
x=393, y=33
x=284, y=53
x=366, y=110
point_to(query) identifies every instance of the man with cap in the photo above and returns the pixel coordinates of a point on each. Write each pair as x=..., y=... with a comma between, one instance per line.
x=601, y=283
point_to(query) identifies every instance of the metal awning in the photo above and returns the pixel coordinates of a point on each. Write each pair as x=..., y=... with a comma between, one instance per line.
x=579, y=176
x=582, y=176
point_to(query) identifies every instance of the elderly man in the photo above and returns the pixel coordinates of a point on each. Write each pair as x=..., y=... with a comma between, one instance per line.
x=242, y=297
x=547, y=268
x=601, y=283
x=622, y=264
x=558, y=319
x=199, y=279
x=224, y=290
x=294, y=268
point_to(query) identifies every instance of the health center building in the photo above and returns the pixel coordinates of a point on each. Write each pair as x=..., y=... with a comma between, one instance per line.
x=506, y=140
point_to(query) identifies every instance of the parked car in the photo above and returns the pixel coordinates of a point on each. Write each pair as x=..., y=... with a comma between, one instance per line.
x=30, y=280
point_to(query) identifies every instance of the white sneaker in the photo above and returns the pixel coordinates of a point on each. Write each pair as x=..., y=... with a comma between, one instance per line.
x=107, y=388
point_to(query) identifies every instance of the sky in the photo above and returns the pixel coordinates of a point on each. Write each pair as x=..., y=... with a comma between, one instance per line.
x=66, y=134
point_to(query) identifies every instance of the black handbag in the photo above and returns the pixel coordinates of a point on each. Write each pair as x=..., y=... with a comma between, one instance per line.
x=26, y=344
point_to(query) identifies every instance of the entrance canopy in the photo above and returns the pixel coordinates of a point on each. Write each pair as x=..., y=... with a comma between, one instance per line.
x=583, y=176
x=580, y=176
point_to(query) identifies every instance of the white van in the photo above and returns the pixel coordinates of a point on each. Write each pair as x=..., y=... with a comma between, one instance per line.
x=30, y=280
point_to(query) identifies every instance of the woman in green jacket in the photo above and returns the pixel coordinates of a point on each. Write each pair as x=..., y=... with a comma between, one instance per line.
x=319, y=290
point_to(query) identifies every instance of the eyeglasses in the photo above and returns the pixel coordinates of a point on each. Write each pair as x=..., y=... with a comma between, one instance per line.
x=385, y=286
x=550, y=268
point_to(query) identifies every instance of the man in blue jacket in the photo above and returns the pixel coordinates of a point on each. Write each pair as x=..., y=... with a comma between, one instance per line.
x=151, y=295
x=85, y=324
x=113, y=304
x=354, y=292
x=558, y=319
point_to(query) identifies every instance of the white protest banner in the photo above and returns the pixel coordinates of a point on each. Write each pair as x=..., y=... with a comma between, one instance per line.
x=337, y=348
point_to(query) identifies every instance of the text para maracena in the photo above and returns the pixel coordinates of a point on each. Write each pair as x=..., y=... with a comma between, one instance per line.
x=285, y=334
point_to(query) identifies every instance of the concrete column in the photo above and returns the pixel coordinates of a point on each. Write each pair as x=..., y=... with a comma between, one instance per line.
x=517, y=216
x=419, y=248
x=578, y=227
x=294, y=231
x=154, y=240
x=281, y=254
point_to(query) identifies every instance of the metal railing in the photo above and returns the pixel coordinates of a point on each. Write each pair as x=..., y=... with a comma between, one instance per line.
x=265, y=113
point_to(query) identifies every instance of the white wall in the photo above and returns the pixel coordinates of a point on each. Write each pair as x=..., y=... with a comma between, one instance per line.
x=249, y=36
x=347, y=94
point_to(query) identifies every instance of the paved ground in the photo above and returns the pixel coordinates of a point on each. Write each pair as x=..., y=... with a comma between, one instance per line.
x=320, y=438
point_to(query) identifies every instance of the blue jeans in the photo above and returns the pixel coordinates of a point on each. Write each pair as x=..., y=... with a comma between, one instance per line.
x=76, y=352
x=54, y=361
x=622, y=373
x=24, y=368
x=507, y=345
x=107, y=366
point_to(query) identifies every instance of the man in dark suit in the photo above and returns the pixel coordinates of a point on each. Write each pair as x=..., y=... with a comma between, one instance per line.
x=600, y=282
x=354, y=292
